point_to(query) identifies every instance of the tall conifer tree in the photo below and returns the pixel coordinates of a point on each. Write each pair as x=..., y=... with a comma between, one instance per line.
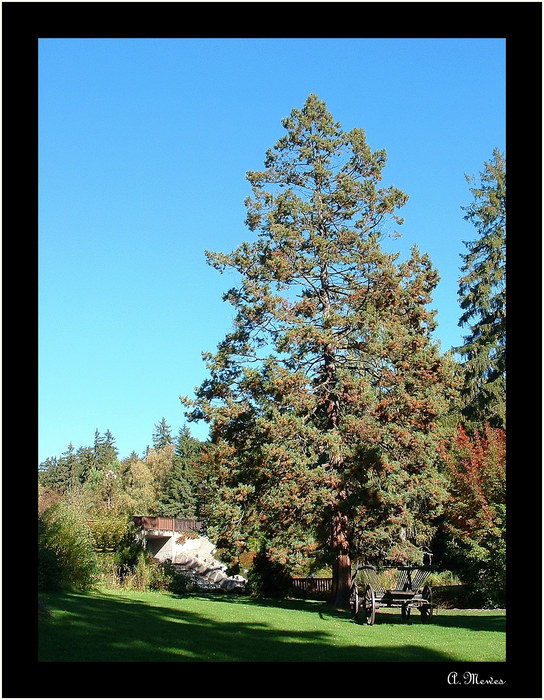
x=162, y=435
x=323, y=400
x=482, y=292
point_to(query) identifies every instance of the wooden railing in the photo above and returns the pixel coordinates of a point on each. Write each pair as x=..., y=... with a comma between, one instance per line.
x=311, y=585
x=148, y=522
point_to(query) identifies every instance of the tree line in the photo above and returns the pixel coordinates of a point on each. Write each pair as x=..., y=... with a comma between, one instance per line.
x=164, y=481
x=339, y=430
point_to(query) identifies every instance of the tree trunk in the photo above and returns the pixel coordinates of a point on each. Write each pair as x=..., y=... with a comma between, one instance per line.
x=341, y=570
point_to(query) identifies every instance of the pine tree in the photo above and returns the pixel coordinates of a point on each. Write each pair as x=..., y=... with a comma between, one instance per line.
x=482, y=293
x=323, y=400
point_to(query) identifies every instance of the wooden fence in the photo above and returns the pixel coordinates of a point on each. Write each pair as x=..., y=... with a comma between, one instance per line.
x=311, y=586
x=147, y=522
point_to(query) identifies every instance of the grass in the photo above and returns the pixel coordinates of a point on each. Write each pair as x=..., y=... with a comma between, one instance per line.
x=109, y=625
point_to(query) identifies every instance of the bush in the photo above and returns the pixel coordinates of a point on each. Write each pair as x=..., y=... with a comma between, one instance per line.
x=167, y=578
x=49, y=567
x=129, y=552
x=66, y=557
x=109, y=571
x=483, y=570
x=267, y=578
x=140, y=572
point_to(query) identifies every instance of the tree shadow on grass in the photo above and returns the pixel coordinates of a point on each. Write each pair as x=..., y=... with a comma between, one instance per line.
x=460, y=619
x=106, y=628
x=468, y=620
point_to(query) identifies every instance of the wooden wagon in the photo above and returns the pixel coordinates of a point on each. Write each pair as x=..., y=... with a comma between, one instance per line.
x=409, y=592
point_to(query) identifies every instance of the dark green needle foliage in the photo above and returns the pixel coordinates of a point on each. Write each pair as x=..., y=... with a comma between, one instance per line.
x=482, y=293
x=323, y=400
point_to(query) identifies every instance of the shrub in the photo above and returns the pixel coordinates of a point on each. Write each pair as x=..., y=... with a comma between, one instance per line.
x=167, y=578
x=129, y=551
x=109, y=571
x=140, y=573
x=49, y=567
x=267, y=578
x=143, y=573
x=442, y=578
x=66, y=557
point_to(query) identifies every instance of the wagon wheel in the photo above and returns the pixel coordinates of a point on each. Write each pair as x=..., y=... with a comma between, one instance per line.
x=427, y=610
x=370, y=604
x=405, y=612
x=354, y=601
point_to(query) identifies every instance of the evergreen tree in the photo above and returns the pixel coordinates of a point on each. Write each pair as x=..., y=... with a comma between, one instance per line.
x=177, y=500
x=45, y=467
x=69, y=458
x=104, y=449
x=162, y=435
x=482, y=292
x=188, y=451
x=323, y=400
x=86, y=460
x=60, y=474
x=52, y=474
x=104, y=485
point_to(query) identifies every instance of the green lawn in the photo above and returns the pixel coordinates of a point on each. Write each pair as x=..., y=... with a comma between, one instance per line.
x=152, y=626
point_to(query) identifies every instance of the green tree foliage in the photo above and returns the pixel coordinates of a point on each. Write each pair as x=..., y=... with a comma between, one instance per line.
x=104, y=486
x=268, y=578
x=73, y=468
x=323, y=400
x=482, y=292
x=86, y=462
x=161, y=463
x=105, y=451
x=177, y=500
x=179, y=497
x=108, y=529
x=162, y=435
x=139, y=488
x=66, y=556
x=164, y=482
x=60, y=474
x=53, y=476
x=188, y=450
x=475, y=515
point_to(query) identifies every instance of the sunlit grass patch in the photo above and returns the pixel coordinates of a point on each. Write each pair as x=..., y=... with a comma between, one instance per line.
x=154, y=626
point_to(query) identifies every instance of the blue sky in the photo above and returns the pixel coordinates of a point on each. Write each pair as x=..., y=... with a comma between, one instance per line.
x=143, y=149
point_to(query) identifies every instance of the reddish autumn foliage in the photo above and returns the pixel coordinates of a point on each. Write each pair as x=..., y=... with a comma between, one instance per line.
x=476, y=512
x=477, y=470
x=46, y=498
